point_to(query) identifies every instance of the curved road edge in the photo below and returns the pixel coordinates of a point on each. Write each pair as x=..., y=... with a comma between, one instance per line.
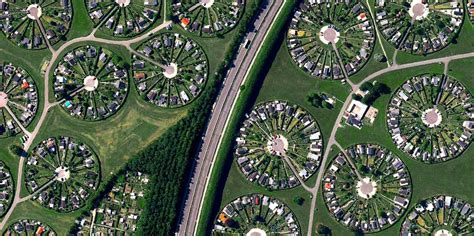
x=220, y=116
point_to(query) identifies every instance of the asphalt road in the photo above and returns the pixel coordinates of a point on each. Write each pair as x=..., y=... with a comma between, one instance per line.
x=219, y=117
x=47, y=105
x=332, y=137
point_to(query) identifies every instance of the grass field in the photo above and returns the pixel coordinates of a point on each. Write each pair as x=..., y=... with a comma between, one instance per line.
x=116, y=139
x=284, y=81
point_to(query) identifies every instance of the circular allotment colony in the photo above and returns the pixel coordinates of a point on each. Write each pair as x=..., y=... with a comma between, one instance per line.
x=278, y=145
x=18, y=99
x=91, y=82
x=430, y=118
x=330, y=40
x=419, y=26
x=22, y=22
x=256, y=215
x=123, y=18
x=173, y=72
x=366, y=187
x=62, y=173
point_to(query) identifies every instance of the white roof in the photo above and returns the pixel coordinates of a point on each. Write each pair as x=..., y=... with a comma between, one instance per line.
x=357, y=109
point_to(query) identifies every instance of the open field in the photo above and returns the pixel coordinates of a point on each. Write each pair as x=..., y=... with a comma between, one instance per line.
x=285, y=81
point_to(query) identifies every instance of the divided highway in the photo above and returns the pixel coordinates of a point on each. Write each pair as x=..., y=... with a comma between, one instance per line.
x=220, y=115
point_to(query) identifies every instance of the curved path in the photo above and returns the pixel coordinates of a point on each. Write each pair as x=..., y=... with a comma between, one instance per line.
x=191, y=209
x=47, y=105
x=332, y=137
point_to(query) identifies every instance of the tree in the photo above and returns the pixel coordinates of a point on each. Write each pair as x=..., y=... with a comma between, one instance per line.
x=327, y=105
x=315, y=100
x=367, y=86
x=323, y=229
x=380, y=57
x=298, y=200
x=17, y=150
x=370, y=98
x=356, y=97
x=381, y=88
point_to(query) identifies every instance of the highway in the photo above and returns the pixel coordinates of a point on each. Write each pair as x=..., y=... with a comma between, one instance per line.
x=220, y=115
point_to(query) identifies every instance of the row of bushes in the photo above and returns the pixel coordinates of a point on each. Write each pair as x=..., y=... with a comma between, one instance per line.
x=169, y=159
x=247, y=97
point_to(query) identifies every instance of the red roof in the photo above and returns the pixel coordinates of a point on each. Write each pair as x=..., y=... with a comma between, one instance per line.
x=185, y=21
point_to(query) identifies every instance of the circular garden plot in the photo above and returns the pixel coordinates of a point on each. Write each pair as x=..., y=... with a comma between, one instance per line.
x=256, y=215
x=21, y=21
x=331, y=40
x=6, y=189
x=123, y=18
x=278, y=145
x=208, y=17
x=29, y=227
x=429, y=118
x=366, y=187
x=62, y=173
x=173, y=71
x=420, y=26
x=18, y=99
x=440, y=216
x=91, y=83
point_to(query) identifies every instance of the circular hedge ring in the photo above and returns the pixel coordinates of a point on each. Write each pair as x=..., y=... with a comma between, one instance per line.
x=62, y=173
x=331, y=40
x=29, y=227
x=279, y=145
x=429, y=118
x=23, y=21
x=420, y=26
x=366, y=187
x=256, y=214
x=440, y=216
x=123, y=18
x=91, y=83
x=171, y=71
x=6, y=189
x=18, y=99
x=208, y=17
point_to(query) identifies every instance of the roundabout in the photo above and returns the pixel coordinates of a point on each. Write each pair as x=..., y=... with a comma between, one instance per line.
x=171, y=71
x=91, y=83
x=174, y=71
x=419, y=26
x=256, y=215
x=34, y=11
x=3, y=99
x=208, y=18
x=431, y=117
x=428, y=116
x=18, y=99
x=123, y=3
x=274, y=136
x=21, y=21
x=331, y=40
x=124, y=18
x=439, y=216
x=366, y=187
x=62, y=173
x=329, y=35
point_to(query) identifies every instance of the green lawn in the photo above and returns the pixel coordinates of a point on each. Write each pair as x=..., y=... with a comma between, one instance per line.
x=463, y=44
x=428, y=180
x=285, y=81
x=116, y=139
